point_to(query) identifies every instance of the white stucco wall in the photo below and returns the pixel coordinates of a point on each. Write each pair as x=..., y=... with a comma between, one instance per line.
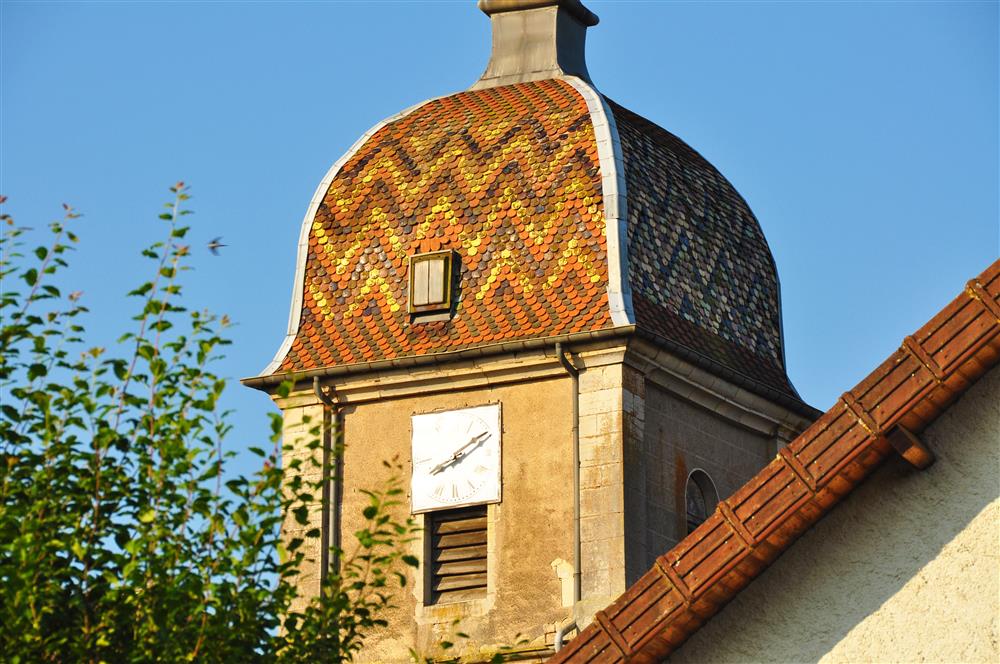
x=906, y=569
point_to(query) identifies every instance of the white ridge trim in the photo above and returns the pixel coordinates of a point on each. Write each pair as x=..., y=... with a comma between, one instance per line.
x=298, y=287
x=613, y=185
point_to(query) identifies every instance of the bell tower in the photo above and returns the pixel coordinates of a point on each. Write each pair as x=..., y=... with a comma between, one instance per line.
x=559, y=316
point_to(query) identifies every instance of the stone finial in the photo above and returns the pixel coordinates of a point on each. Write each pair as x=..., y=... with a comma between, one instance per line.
x=536, y=39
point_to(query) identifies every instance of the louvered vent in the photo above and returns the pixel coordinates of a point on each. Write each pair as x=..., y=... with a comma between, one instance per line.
x=458, y=554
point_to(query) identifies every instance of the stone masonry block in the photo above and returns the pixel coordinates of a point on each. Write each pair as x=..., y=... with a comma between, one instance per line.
x=604, y=585
x=597, y=581
x=634, y=381
x=603, y=526
x=600, y=424
x=637, y=410
x=599, y=450
x=601, y=378
x=632, y=402
x=607, y=553
x=601, y=500
x=302, y=417
x=601, y=401
x=593, y=477
x=298, y=448
x=302, y=429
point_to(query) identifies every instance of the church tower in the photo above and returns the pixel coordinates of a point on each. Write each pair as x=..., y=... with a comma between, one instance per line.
x=560, y=317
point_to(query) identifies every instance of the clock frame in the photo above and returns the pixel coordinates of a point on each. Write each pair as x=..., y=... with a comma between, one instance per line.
x=456, y=458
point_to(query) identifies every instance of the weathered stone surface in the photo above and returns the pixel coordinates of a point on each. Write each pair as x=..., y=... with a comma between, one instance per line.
x=526, y=532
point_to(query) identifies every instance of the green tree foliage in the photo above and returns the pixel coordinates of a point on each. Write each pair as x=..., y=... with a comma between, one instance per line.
x=122, y=539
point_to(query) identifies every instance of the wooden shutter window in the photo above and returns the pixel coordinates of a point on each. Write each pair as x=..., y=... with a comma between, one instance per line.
x=457, y=555
x=430, y=281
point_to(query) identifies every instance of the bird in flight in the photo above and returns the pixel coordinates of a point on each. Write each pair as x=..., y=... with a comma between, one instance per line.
x=215, y=245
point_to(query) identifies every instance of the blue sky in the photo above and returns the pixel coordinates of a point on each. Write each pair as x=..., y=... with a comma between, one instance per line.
x=863, y=135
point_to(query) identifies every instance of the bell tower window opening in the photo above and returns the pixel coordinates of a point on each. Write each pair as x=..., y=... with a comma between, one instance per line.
x=701, y=497
x=430, y=282
x=456, y=554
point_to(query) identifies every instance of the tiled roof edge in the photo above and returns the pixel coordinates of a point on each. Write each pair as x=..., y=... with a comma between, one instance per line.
x=751, y=528
x=267, y=381
x=792, y=400
x=294, y=316
x=609, y=154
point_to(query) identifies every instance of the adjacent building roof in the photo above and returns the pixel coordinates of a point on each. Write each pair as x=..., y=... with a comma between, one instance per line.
x=751, y=528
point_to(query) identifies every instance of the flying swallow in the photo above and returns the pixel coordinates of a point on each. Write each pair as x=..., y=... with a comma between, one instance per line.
x=215, y=245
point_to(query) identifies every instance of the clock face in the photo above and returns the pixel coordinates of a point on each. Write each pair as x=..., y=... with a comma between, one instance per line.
x=456, y=458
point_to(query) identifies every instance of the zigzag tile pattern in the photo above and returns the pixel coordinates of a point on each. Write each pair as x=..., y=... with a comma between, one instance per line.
x=506, y=177
x=701, y=272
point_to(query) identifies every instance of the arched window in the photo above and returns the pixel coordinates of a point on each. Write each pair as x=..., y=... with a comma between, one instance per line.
x=700, y=497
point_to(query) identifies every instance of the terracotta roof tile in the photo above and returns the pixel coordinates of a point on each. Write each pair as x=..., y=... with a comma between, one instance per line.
x=509, y=179
x=764, y=517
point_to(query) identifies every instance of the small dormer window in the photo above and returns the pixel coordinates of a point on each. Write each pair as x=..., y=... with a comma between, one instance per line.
x=430, y=282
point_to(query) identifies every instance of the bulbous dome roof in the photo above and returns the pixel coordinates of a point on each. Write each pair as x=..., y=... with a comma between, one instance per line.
x=506, y=177
x=567, y=214
x=567, y=217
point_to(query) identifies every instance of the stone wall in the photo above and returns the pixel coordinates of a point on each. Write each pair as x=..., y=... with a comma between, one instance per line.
x=530, y=533
x=638, y=442
x=602, y=525
x=672, y=438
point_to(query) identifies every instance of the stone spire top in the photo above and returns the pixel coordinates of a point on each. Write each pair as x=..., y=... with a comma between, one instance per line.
x=535, y=40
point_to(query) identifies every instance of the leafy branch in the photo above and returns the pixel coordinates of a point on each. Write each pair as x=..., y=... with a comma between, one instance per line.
x=122, y=535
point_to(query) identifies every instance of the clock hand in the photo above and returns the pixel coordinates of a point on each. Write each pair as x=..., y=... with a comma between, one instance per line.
x=463, y=450
x=456, y=455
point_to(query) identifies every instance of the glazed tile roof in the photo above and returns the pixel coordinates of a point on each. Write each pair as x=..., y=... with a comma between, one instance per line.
x=698, y=260
x=507, y=177
x=751, y=528
x=512, y=179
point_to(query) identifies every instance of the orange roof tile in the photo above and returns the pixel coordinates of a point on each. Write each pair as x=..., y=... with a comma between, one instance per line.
x=509, y=179
x=751, y=528
x=567, y=214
